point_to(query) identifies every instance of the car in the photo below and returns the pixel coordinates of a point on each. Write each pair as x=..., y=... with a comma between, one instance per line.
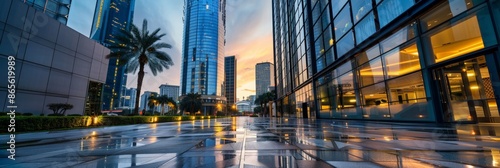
x=112, y=114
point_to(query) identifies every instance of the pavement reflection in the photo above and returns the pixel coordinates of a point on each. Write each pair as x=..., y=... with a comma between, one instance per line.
x=262, y=142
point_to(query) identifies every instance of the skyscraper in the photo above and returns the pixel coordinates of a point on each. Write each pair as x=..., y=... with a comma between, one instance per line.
x=391, y=60
x=128, y=100
x=230, y=79
x=143, y=104
x=110, y=17
x=57, y=9
x=203, y=52
x=264, y=77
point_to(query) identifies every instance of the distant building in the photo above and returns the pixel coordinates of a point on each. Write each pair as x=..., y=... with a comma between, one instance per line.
x=264, y=77
x=129, y=98
x=110, y=17
x=57, y=9
x=230, y=79
x=203, y=52
x=170, y=90
x=145, y=99
x=244, y=106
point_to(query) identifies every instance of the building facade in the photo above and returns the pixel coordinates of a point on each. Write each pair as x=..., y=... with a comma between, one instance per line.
x=57, y=9
x=203, y=52
x=110, y=17
x=145, y=99
x=53, y=63
x=170, y=90
x=230, y=82
x=264, y=77
x=394, y=60
x=128, y=98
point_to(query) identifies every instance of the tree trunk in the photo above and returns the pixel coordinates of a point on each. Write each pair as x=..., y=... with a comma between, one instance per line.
x=162, y=108
x=140, y=77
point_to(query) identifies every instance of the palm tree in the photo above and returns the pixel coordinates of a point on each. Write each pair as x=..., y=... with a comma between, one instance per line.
x=191, y=102
x=162, y=100
x=136, y=48
x=152, y=102
x=172, y=104
x=264, y=99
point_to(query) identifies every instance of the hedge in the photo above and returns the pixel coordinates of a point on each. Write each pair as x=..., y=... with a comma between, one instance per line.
x=40, y=123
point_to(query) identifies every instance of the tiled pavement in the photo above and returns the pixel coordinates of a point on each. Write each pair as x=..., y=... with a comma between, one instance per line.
x=262, y=142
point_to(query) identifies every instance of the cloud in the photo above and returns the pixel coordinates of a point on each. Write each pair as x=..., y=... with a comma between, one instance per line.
x=249, y=90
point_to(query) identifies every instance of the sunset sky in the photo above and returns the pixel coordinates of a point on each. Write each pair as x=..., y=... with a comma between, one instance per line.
x=248, y=36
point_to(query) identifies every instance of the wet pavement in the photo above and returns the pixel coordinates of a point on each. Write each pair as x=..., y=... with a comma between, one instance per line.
x=261, y=142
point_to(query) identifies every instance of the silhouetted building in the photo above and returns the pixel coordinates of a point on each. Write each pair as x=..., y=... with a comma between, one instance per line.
x=264, y=77
x=230, y=79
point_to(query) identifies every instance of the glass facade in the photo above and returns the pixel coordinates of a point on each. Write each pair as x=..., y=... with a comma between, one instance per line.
x=54, y=64
x=57, y=9
x=110, y=17
x=264, y=77
x=203, y=50
x=394, y=60
x=230, y=82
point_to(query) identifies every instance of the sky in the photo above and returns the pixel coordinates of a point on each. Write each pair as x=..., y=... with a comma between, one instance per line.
x=248, y=36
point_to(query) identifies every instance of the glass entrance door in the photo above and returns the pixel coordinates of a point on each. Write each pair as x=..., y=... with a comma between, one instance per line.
x=466, y=91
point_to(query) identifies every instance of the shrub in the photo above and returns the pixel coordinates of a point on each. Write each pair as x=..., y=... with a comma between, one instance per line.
x=27, y=114
x=3, y=113
x=55, y=114
x=254, y=115
x=74, y=115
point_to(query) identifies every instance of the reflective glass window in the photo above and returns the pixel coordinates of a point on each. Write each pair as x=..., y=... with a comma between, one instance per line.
x=374, y=101
x=446, y=11
x=458, y=39
x=360, y=8
x=365, y=28
x=368, y=55
x=371, y=72
x=337, y=5
x=407, y=99
x=345, y=44
x=402, y=61
x=388, y=10
x=342, y=23
x=398, y=38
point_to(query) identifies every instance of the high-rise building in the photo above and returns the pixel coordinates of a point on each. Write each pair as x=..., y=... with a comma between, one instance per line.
x=110, y=17
x=59, y=65
x=393, y=60
x=128, y=98
x=57, y=9
x=170, y=90
x=143, y=104
x=203, y=52
x=230, y=79
x=264, y=77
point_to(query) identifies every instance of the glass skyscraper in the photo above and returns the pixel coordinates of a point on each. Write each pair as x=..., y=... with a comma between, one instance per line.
x=110, y=17
x=264, y=77
x=230, y=82
x=203, y=51
x=390, y=60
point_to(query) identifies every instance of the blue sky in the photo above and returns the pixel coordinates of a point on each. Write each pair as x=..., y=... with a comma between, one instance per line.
x=248, y=36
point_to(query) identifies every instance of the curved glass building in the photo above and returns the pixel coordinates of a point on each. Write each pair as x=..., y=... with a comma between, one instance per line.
x=203, y=51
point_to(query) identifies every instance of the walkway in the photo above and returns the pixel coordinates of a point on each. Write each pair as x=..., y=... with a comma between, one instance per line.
x=260, y=142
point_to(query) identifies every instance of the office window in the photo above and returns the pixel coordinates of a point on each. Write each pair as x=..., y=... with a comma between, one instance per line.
x=365, y=28
x=402, y=60
x=342, y=23
x=388, y=10
x=360, y=8
x=371, y=72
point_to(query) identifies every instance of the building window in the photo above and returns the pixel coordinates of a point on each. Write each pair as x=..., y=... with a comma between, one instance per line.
x=388, y=10
x=371, y=72
x=365, y=28
x=402, y=60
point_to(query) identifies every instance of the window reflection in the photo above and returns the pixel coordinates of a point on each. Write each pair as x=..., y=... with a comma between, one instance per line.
x=375, y=101
x=446, y=11
x=337, y=5
x=407, y=97
x=388, y=10
x=360, y=8
x=365, y=28
x=401, y=61
x=459, y=39
x=371, y=72
x=368, y=55
x=345, y=44
x=342, y=23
